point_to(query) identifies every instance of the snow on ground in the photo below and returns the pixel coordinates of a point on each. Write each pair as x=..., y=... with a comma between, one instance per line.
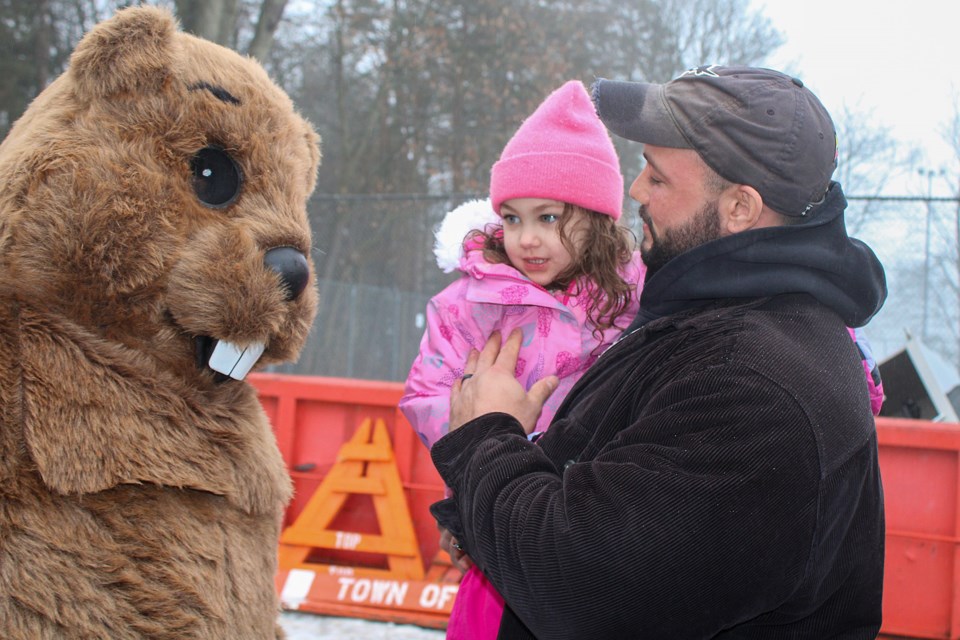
x=311, y=626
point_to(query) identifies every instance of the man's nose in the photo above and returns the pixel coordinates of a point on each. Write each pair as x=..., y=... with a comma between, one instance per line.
x=638, y=190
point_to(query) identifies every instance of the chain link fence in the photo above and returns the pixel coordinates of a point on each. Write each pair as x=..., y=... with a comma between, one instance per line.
x=374, y=254
x=362, y=331
x=377, y=271
x=917, y=241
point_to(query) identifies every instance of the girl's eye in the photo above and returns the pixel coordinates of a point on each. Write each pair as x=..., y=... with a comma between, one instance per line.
x=549, y=218
x=510, y=219
x=655, y=180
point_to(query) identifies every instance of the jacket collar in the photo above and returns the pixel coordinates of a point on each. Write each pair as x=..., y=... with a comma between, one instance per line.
x=497, y=283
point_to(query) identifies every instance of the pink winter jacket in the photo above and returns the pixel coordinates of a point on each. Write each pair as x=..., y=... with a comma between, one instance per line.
x=557, y=339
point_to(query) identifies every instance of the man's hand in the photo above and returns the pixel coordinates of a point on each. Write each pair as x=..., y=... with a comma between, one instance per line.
x=458, y=557
x=489, y=385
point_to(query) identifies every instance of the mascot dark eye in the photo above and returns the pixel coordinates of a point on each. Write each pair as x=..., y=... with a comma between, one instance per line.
x=216, y=177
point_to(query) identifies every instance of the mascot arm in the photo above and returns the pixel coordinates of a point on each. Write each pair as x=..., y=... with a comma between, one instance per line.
x=97, y=415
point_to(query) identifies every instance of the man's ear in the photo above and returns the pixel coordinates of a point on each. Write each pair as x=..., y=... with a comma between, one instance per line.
x=741, y=208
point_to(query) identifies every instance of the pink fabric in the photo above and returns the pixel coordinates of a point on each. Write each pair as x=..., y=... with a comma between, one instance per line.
x=477, y=610
x=874, y=386
x=488, y=297
x=561, y=152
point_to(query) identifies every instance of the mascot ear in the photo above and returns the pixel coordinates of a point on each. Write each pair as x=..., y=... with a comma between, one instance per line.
x=130, y=53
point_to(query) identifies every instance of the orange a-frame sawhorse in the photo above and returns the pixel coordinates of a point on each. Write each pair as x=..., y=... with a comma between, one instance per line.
x=402, y=591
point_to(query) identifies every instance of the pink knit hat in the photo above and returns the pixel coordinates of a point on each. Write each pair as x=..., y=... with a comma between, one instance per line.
x=561, y=152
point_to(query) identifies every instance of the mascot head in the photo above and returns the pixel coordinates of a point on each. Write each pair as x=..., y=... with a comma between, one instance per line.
x=155, y=197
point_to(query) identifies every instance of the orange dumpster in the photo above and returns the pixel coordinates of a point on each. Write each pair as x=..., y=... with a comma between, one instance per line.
x=358, y=537
x=314, y=417
x=920, y=466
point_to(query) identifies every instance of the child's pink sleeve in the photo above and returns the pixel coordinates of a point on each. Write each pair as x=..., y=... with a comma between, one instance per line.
x=443, y=352
x=870, y=369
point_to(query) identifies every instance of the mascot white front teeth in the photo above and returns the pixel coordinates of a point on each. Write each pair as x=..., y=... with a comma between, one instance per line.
x=233, y=360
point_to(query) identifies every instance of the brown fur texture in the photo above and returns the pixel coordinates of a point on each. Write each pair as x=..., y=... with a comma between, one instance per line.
x=140, y=493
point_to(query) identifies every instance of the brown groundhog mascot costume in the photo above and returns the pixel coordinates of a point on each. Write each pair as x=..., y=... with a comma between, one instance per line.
x=152, y=229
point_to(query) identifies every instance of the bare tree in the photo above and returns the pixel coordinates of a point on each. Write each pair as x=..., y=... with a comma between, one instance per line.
x=419, y=96
x=869, y=158
x=720, y=32
x=208, y=19
x=36, y=39
x=222, y=21
x=950, y=132
x=271, y=11
x=655, y=40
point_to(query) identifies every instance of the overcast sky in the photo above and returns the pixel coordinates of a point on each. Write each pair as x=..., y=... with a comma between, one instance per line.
x=900, y=60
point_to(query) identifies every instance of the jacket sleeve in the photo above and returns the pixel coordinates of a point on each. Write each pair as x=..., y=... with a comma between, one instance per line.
x=444, y=348
x=688, y=522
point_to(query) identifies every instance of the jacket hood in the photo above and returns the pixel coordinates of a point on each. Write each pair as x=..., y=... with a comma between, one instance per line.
x=448, y=239
x=815, y=257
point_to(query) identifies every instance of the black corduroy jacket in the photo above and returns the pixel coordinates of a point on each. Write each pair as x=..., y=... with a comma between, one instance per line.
x=713, y=475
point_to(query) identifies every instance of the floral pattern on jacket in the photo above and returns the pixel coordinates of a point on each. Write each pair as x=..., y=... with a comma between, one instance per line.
x=557, y=338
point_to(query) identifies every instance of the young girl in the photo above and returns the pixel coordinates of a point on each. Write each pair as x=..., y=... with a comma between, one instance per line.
x=545, y=254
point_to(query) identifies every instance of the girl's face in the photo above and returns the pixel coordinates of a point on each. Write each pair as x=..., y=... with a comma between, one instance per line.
x=532, y=240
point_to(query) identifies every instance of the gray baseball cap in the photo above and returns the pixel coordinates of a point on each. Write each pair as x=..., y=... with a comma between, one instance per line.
x=752, y=126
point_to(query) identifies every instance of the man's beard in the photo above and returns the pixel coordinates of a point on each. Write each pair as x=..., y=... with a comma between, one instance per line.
x=703, y=227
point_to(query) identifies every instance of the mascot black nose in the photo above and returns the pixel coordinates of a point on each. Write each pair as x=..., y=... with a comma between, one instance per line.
x=291, y=266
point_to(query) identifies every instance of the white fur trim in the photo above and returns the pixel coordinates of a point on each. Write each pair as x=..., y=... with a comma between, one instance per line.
x=448, y=246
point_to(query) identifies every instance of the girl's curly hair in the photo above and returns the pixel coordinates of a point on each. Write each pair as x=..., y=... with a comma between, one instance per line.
x=605, y=248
